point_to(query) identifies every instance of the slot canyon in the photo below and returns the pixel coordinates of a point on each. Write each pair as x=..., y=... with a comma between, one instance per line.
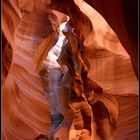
x=69, y=70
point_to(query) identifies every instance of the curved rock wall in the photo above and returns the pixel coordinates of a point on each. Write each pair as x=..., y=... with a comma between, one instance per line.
x=99, y=87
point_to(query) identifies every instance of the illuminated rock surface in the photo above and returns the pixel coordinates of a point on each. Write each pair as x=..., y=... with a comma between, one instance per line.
x=92, y=94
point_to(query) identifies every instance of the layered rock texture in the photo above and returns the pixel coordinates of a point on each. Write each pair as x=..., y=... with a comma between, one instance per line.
x=69, y=72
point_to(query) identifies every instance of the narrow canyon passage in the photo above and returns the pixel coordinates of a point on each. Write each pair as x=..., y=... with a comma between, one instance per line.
x=66, y=74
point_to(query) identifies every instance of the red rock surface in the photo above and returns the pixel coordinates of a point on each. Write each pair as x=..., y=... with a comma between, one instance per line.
x=92, y=94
